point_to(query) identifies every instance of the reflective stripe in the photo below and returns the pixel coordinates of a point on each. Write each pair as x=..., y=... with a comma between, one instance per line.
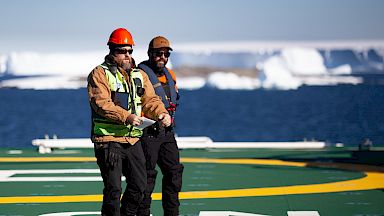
x=115, y=130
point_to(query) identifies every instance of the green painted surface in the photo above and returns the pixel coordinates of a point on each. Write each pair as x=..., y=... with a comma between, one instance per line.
x=209, y=176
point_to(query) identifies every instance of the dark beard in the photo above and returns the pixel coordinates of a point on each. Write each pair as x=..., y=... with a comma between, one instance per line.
x=158, y=69
x=111, y=60
x=127, y=67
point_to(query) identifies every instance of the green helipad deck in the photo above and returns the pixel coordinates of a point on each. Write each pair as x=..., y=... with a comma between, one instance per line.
x=335, y=181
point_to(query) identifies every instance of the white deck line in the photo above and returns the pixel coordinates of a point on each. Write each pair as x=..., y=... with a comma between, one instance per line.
x=303, y=213
x=276, y=145
x=46, y=145
x=9, y=175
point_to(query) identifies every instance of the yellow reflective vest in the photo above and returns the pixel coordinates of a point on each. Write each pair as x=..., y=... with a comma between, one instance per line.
x=124, y=95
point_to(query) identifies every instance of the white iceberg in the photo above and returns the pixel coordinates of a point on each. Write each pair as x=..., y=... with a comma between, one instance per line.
x=277, y=75
x=225, y=80
x=45, y=83
x=190, y=83
x=282, y=65
x=304, y=61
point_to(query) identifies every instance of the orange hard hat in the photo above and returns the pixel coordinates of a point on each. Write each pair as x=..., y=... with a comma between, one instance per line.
x=121, y=36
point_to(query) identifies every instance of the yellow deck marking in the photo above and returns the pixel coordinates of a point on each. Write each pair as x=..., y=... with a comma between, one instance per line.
x=244, y=161
x=374, y=179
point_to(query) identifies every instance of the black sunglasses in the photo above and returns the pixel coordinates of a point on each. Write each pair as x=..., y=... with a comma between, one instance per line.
x=160, y=53
x=123, y=51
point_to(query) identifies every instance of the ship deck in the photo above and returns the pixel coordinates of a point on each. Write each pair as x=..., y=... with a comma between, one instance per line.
x=330, y=181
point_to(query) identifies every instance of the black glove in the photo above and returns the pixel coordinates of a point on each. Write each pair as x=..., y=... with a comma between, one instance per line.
x=114, y=154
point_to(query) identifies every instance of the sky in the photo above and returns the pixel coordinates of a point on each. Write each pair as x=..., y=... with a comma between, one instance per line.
x=85, y=25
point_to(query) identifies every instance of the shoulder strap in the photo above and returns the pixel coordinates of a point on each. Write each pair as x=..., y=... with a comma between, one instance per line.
x=157, y=85
x=138, y=81
x=172, y=86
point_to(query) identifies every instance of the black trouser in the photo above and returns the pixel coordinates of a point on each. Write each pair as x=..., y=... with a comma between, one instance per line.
x=161, y=148
x=128, y=160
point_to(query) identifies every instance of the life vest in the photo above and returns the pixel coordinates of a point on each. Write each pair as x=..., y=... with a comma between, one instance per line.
x=168, y=102
x=129, y=99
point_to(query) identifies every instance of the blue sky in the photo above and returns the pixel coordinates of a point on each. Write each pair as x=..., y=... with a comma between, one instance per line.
x=71, y=25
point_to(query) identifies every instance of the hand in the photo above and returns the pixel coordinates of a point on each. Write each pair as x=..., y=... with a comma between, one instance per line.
x=134, y=120
x=165, y=119
x=114, y=154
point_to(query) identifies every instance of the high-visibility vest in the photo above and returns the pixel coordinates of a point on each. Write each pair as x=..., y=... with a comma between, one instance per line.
x=123, y=96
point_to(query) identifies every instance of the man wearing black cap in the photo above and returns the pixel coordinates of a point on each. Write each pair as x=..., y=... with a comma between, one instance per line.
x=158, y=142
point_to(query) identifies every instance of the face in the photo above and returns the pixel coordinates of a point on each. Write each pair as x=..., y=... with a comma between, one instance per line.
x=159, y=57
x=123, y=56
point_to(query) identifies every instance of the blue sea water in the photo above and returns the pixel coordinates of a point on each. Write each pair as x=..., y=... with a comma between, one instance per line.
x=343, y=113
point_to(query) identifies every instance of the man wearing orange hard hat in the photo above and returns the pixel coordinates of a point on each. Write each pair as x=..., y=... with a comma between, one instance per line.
x=118, y=94
x=159, y=143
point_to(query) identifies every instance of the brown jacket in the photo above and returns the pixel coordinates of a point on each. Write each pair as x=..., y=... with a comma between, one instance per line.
x=99, y=95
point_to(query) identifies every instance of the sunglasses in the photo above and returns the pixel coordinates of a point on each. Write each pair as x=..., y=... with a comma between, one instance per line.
x=124, y=51
x=160, y=53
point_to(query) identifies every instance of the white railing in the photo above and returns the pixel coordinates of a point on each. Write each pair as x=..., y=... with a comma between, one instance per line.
x=198, y=142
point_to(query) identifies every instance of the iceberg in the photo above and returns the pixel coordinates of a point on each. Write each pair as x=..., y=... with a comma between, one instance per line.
x=74, y=64
x=304, y=61
x=342, y=69
x=279, y=65
x=294, y=67
x=32, y=63
x=223, y=80
x=191, y=83
x=32, y=70
x=45, y=83
x=3, y=63
x=276, y=74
